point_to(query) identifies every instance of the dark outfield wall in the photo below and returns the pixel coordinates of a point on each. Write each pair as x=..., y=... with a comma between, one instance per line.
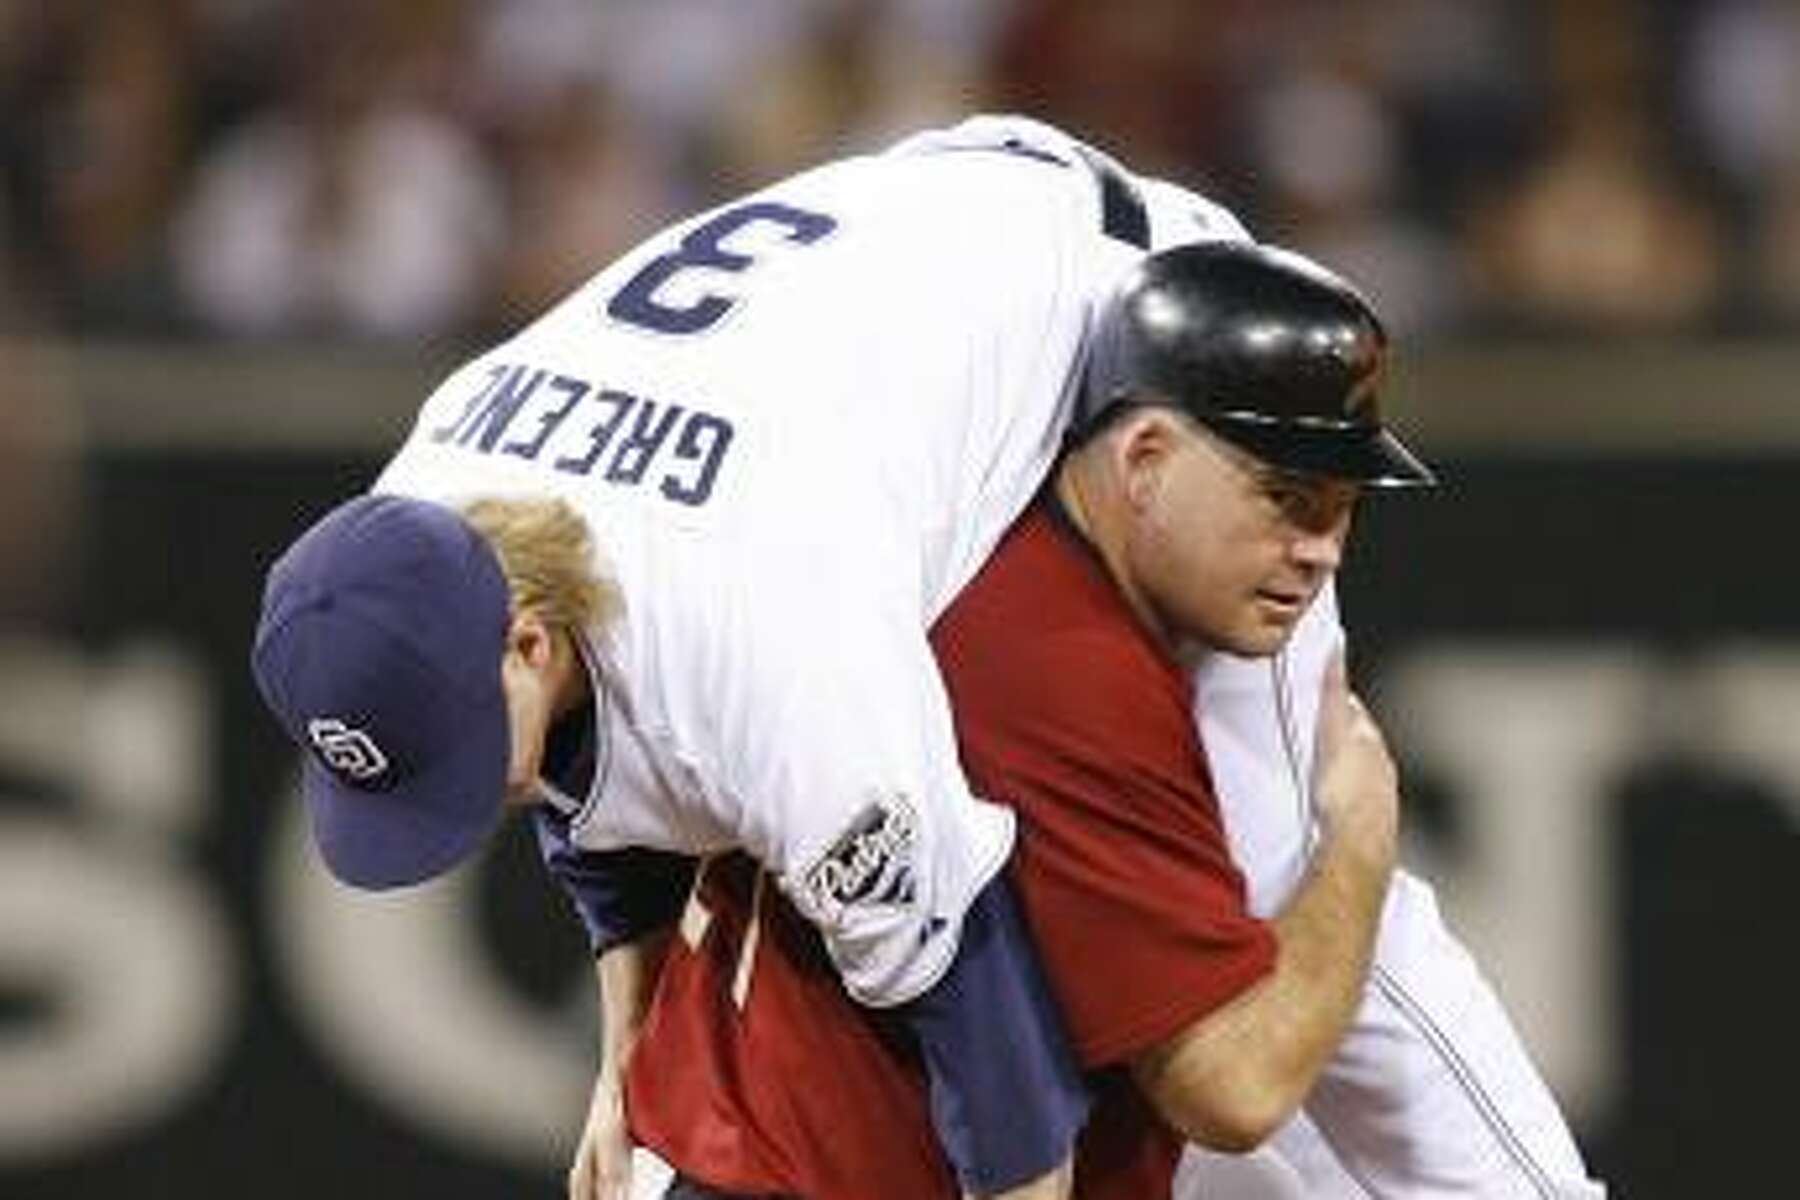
x=185, y=1011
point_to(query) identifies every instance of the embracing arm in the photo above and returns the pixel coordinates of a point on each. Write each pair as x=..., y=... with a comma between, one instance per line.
x=1231, y=1078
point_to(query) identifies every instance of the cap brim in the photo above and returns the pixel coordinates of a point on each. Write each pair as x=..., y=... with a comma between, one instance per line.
x=422, y=825
x=1371, y=456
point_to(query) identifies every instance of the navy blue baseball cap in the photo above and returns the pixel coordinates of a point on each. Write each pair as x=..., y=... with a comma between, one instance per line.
x=379, y=648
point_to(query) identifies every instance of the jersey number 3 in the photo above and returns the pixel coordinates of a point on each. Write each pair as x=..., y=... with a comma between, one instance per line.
x=703, y=248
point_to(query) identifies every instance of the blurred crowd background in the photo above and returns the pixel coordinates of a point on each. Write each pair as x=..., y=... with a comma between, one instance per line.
x=391, y=169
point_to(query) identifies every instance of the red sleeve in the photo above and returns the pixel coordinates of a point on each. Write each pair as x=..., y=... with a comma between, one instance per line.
x=1066, y=711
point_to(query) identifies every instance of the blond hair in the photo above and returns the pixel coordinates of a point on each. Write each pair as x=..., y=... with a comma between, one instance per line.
x=547, y=555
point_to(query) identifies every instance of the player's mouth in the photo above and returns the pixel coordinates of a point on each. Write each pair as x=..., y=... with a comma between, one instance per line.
x=1285, y=604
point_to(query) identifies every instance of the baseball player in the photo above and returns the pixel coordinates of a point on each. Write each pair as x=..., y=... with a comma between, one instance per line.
x=1063, y=663
x=660, y=567
x=656, y=477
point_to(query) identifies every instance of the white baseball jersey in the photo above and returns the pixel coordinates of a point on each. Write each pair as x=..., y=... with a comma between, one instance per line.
x=1431, y=1093
x=796, y=425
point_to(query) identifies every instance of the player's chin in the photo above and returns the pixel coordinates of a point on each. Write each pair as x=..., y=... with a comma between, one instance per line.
x=1264, y=631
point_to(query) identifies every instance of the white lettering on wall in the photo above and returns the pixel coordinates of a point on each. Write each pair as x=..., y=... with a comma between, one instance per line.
x=107, y=929
x=124, y=954
x=1533, y=740
x=401, y=998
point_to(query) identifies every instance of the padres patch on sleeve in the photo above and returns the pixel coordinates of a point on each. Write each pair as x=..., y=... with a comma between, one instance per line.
x=871, y=862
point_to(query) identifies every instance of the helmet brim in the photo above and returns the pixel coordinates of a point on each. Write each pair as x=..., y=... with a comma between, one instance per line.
x=1365, y=454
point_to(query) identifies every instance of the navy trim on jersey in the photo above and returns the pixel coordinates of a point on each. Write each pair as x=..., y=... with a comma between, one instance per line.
x=1123, y=214
x=569, y=750
x=1016, y=147
x=584, y=792
x=620, y=895
x=1006, y=1093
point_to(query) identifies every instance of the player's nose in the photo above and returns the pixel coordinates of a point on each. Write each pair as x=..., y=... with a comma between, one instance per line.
x=1319, y=552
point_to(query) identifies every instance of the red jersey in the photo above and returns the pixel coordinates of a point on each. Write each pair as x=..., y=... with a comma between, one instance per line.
x=1067, y=710
x=755, y=1071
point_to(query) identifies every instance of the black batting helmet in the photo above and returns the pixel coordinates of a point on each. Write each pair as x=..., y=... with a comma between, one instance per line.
x=1264, y=347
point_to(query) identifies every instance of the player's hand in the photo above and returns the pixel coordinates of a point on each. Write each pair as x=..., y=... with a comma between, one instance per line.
x=602, y=1169
x=1355, y=780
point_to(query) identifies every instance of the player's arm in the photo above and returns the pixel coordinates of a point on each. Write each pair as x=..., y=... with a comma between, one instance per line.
x=1229, y=1079
x=1005, y=1091
x=626, y=974
x=1432, y=1080
x=628, y=901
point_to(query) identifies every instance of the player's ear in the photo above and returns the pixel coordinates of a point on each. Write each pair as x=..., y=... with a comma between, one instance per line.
x=530, y=637
x=1141, y=446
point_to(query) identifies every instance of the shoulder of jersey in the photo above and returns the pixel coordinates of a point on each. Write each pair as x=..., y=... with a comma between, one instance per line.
x=1179, y=215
